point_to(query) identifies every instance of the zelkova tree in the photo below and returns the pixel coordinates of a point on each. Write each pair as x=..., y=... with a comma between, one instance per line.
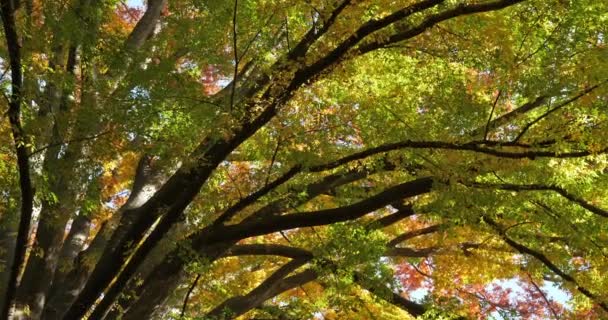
x=254, y=159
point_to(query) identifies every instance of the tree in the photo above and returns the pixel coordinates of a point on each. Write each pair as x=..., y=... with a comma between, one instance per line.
x=303, y=159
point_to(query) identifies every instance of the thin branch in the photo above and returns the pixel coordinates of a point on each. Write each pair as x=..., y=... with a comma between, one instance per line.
x=577, y=231
x=475, y=146
x=540, y=187
x=254, y=38
x=52, y=145
x=409, y=306
x=272, y=160
x=236, y=185
x=545, y=261
x=417, y=269
x=313, y=34
x=287, y=34
x=236, y=54
x=561, y=105
x=520, y=61
x=340, y=52
x=485, y=135
x=4, y=73
x=542, y=294
x=187, y=297
x=406, y=211
x=507, y=117
x=251, y=198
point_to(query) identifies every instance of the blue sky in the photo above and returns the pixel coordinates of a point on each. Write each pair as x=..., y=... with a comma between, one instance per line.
x=135, y=3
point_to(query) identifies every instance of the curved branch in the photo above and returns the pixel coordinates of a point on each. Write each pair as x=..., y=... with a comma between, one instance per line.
x=339, y=53
x=545, y=261
x=272, y=286
x=316, y=218
x=460, y=10
x=187, y=297
x=475, y=146
x=539, y=187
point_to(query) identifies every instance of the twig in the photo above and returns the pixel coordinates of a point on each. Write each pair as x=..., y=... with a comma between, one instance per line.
x=93, y=137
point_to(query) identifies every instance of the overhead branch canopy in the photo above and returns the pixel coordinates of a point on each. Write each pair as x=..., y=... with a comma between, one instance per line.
x=298, y=159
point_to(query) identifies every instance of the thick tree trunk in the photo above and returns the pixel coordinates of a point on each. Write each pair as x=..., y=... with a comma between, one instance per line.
x=8, y=235
x=72, y=282
x=43, y=259
x=73, y=244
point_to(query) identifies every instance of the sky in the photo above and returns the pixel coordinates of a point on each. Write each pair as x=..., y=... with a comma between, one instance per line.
x=135, y=3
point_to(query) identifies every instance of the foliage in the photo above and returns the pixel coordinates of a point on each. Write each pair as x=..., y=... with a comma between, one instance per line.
x=250, y=159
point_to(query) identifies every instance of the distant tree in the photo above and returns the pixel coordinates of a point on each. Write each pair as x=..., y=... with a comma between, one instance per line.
x=303, y=159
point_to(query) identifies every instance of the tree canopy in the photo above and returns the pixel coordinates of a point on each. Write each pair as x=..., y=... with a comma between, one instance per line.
x=289, y=159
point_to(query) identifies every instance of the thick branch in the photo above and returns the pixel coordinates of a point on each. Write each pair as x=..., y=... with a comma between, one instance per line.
x=200, y=241
x=169, y=202
x=145, y=26
x=269, y=288
x=313, y=34
x=268, y=249
x=413, y=234
x=172, y=264
x=322, y=217
x=430, y=21
x=306, y=74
